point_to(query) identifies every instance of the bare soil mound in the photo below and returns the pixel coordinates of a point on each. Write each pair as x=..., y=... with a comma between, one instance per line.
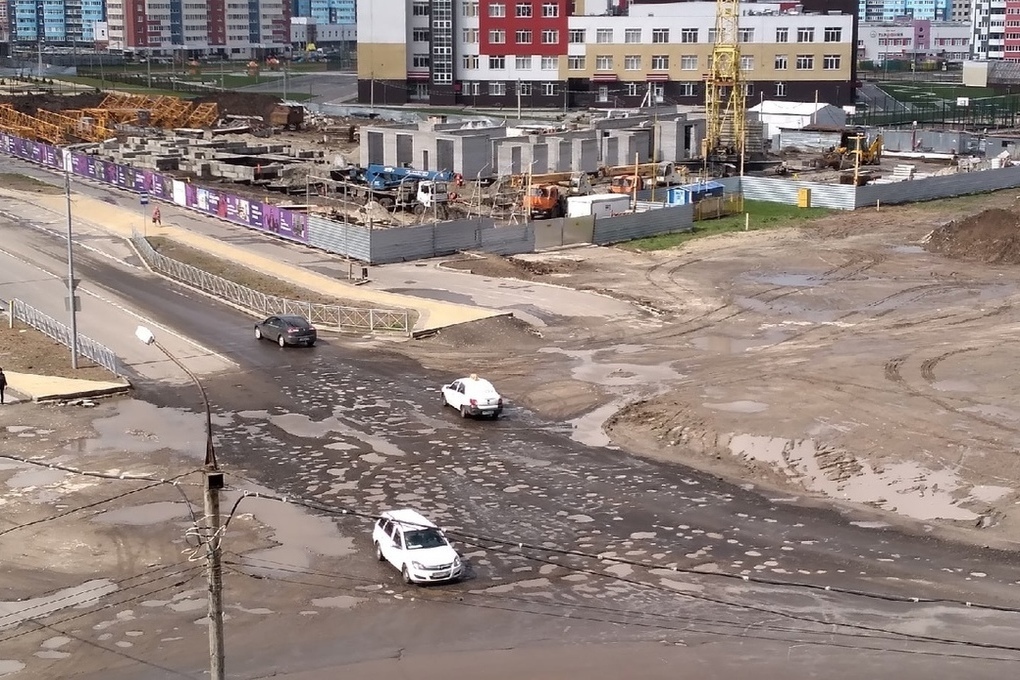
x=242, y=103
x=991, y=236
x=30, y=103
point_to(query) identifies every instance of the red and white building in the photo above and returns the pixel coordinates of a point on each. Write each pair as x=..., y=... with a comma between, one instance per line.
x=232, y=29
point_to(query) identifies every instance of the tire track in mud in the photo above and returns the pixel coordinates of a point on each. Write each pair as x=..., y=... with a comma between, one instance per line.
x=928, y=365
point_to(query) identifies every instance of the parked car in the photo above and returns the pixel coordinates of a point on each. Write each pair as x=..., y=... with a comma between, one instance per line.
x=473, y=396
x=416, y=547
x=286, y=330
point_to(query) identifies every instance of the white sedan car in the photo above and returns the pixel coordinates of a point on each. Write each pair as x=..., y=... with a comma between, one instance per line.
x=416, y=547
x=473, y=396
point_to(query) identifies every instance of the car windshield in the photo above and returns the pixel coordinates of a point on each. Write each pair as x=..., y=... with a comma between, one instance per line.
x=424, y=538
x=295, y=321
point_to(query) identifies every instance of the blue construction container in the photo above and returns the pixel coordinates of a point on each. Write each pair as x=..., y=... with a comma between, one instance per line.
x=692, y=193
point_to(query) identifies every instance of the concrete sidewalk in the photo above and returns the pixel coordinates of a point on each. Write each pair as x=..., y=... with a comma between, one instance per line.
x=432, y=314
x=51, y=388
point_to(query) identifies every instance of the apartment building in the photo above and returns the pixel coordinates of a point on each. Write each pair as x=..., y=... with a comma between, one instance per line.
x=563, y=53
x=53, y=22
x=988, y=28
x=326, y=12
x=959, y=10
x=888, y=10
x=913, y=40
x=231, y=29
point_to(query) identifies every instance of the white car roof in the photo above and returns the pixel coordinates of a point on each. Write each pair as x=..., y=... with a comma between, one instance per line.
x=475, y=381
x=411, y=518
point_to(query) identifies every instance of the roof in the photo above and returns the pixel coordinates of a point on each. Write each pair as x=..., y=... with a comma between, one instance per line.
x=480, y=382
x=772, y=107
x=410, y=517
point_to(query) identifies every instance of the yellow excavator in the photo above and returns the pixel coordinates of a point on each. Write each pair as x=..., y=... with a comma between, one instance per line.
x=853, y=149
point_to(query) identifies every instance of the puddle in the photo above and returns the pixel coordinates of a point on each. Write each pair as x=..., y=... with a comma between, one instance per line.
x=994, y=412
x=10, y=666
x=141, y=427
x=722, y=344
x=15, y=613
x=906, y=487
x=589, y=429
x=614, y=374
x=145, y=515
x=989, y=494
x=300, y=425
x=738, y=406
x=954, y=386
x=871, y=525
x=908, y=249
x=789, y=280
x=338, y=602
x=37, y=476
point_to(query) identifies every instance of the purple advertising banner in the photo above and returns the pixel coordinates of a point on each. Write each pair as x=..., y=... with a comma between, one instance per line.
x=279, y=222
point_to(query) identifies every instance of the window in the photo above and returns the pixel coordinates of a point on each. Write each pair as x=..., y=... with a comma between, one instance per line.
x=470, y=9
x=575, y=62
x=470, y=61
x=497, y=37
x=632, y=35
x=523, y=37
x=688, y=35
x=805, y=62
x=632, y=62
x=550, y=89
x=472, y=88
x=831, y=62
x=523, y=10
x=550, y=37
x=780, y=90
x=604, y=35
x=420, y=9
x=497, y=88
x=524, y=89
x=497, y=10
x=550, y=10
x=420, y=91
x=781, y=62
x=603, y=94
x=687, y=90
x=689, y=62
x=631, y=90
x=420, y=35
x=577, y=35
x=712, y=34
x=660, y=35
x=834, y=34
x=748, y=89
x=660, y=62
x=746, y=63
x=745, y=35
x=420, y=61
x=782, y=35
x=497, y=63
x=550, y=63
x=523, y=63
x=604, y=62
x=470, y=35
x=805, y=35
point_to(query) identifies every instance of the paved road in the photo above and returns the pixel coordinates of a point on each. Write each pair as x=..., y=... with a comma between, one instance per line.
x=331, y=87
x=351, y=425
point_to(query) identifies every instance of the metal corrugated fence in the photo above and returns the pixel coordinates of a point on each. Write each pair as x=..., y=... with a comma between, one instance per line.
x=334, y=316
x=403, y=244
x=350, y=240
x=640, y=225
x=929, y=188
x=776, y=190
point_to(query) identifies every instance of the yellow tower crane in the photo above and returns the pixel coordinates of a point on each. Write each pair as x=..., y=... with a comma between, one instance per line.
x=725, y=98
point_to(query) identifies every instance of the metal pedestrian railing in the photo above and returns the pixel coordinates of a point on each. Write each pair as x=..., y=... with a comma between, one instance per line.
x=335, y=317
x=47, y=325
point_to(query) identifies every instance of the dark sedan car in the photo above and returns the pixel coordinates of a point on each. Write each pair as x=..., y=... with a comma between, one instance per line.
x=286, y=330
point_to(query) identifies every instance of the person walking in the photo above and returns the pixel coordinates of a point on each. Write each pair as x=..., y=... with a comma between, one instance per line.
x=156, y=217
x=3, y=385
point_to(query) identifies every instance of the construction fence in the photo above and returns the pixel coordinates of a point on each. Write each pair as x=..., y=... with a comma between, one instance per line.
x=334, y=317
x=51, y=328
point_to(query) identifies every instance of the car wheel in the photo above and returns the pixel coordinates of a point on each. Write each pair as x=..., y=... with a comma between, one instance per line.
x=495, y=415
x=378, y=553
x=281, y=341
x=311, y=344
x=463, y=412
x=407, y=575
x=258, y=333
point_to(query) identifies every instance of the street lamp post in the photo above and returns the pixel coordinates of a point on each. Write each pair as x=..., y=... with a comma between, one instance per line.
x=213, y=486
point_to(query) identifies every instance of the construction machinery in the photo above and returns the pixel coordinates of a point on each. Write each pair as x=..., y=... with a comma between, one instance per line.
x=549, y=201
x=397, y=187
x=853, y=150
x=725, y=95
x=287, y=116
x=635, y=178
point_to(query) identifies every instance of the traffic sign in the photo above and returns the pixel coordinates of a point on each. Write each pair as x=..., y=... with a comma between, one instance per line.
x=143, y=198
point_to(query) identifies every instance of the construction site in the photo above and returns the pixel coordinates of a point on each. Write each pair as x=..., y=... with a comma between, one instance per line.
x=601, y=162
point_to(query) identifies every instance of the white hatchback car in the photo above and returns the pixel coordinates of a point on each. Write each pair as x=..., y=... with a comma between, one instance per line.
x=473, y=396
x=416, y=547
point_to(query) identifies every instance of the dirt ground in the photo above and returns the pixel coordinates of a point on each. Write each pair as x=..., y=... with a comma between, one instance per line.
x=18, y=182
x=839, y=360
x=26, y=350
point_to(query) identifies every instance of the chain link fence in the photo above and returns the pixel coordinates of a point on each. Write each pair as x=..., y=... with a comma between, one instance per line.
x=50, y=327
x=329, y=316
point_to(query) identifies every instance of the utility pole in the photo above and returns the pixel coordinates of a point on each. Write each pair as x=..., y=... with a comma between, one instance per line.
x=211, y=500
x=72, y=301
x=148, y=69
x=518, y=99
